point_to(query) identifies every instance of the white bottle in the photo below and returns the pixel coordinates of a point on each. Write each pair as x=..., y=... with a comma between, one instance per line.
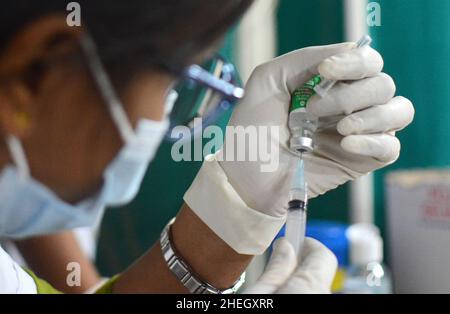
x=366, y=274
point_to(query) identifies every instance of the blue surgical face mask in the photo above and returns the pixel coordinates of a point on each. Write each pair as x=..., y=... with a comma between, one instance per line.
x=28, y=208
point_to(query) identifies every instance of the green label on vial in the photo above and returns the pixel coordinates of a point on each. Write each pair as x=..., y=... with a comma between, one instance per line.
x=301, y=95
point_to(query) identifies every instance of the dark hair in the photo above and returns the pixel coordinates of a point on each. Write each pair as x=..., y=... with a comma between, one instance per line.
x=136, y=34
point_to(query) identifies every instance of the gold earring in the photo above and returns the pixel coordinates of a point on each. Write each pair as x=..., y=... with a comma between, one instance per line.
x=21, y=120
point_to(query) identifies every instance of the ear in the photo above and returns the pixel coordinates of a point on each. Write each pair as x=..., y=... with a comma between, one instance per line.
x=15, y=110
x=24, y=61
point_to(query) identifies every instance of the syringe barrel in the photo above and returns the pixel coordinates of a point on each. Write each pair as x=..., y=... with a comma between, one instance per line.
x=298, y=195
x=295, y=229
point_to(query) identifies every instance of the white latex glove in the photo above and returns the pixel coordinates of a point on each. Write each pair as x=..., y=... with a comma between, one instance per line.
x=358, y=120
x=314, y=275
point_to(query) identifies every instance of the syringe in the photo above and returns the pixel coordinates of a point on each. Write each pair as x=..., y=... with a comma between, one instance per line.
x=303, y=125
x=323, y=88
x=296, y=210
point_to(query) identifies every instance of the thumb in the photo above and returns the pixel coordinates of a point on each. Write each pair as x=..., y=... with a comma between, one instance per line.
x=306, y=61
x=284, y=74
x=316, y=272
x=281, y=265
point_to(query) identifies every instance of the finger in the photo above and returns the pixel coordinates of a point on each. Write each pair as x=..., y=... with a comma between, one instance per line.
x=352, y=65
x=346, y=98
x=384, y=147
x=295, y=60
x=298, y=66
x=316, y=272
x=281, y=265
x=393, y=116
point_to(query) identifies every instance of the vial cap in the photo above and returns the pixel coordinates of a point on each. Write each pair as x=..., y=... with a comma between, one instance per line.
x=301, y=144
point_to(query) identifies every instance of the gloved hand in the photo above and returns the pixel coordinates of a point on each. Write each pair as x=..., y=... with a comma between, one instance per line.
x=358, y=119
x=314, y=275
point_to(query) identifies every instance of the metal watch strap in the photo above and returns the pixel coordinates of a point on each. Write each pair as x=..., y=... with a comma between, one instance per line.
x=183, y=272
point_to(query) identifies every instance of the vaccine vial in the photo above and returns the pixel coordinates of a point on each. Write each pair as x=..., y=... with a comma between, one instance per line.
x=302, y=124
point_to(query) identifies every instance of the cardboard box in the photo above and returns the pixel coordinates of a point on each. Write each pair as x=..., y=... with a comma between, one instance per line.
x=418, y=214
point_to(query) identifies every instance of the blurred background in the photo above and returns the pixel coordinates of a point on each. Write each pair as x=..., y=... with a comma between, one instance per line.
x=408, y=201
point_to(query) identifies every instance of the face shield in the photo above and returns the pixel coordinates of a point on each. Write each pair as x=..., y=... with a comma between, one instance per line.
x=207, y=92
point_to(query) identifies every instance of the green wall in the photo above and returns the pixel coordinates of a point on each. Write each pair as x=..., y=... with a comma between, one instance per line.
x=414, y=39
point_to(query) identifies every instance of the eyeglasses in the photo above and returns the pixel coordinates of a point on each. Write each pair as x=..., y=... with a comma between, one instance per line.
x=205, y=92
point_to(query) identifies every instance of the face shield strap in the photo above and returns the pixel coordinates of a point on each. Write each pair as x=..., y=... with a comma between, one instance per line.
x=171, y=98
x=18, y=156
x=106, y=89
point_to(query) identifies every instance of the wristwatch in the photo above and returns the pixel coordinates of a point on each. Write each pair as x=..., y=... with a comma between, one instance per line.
x=185, y=274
